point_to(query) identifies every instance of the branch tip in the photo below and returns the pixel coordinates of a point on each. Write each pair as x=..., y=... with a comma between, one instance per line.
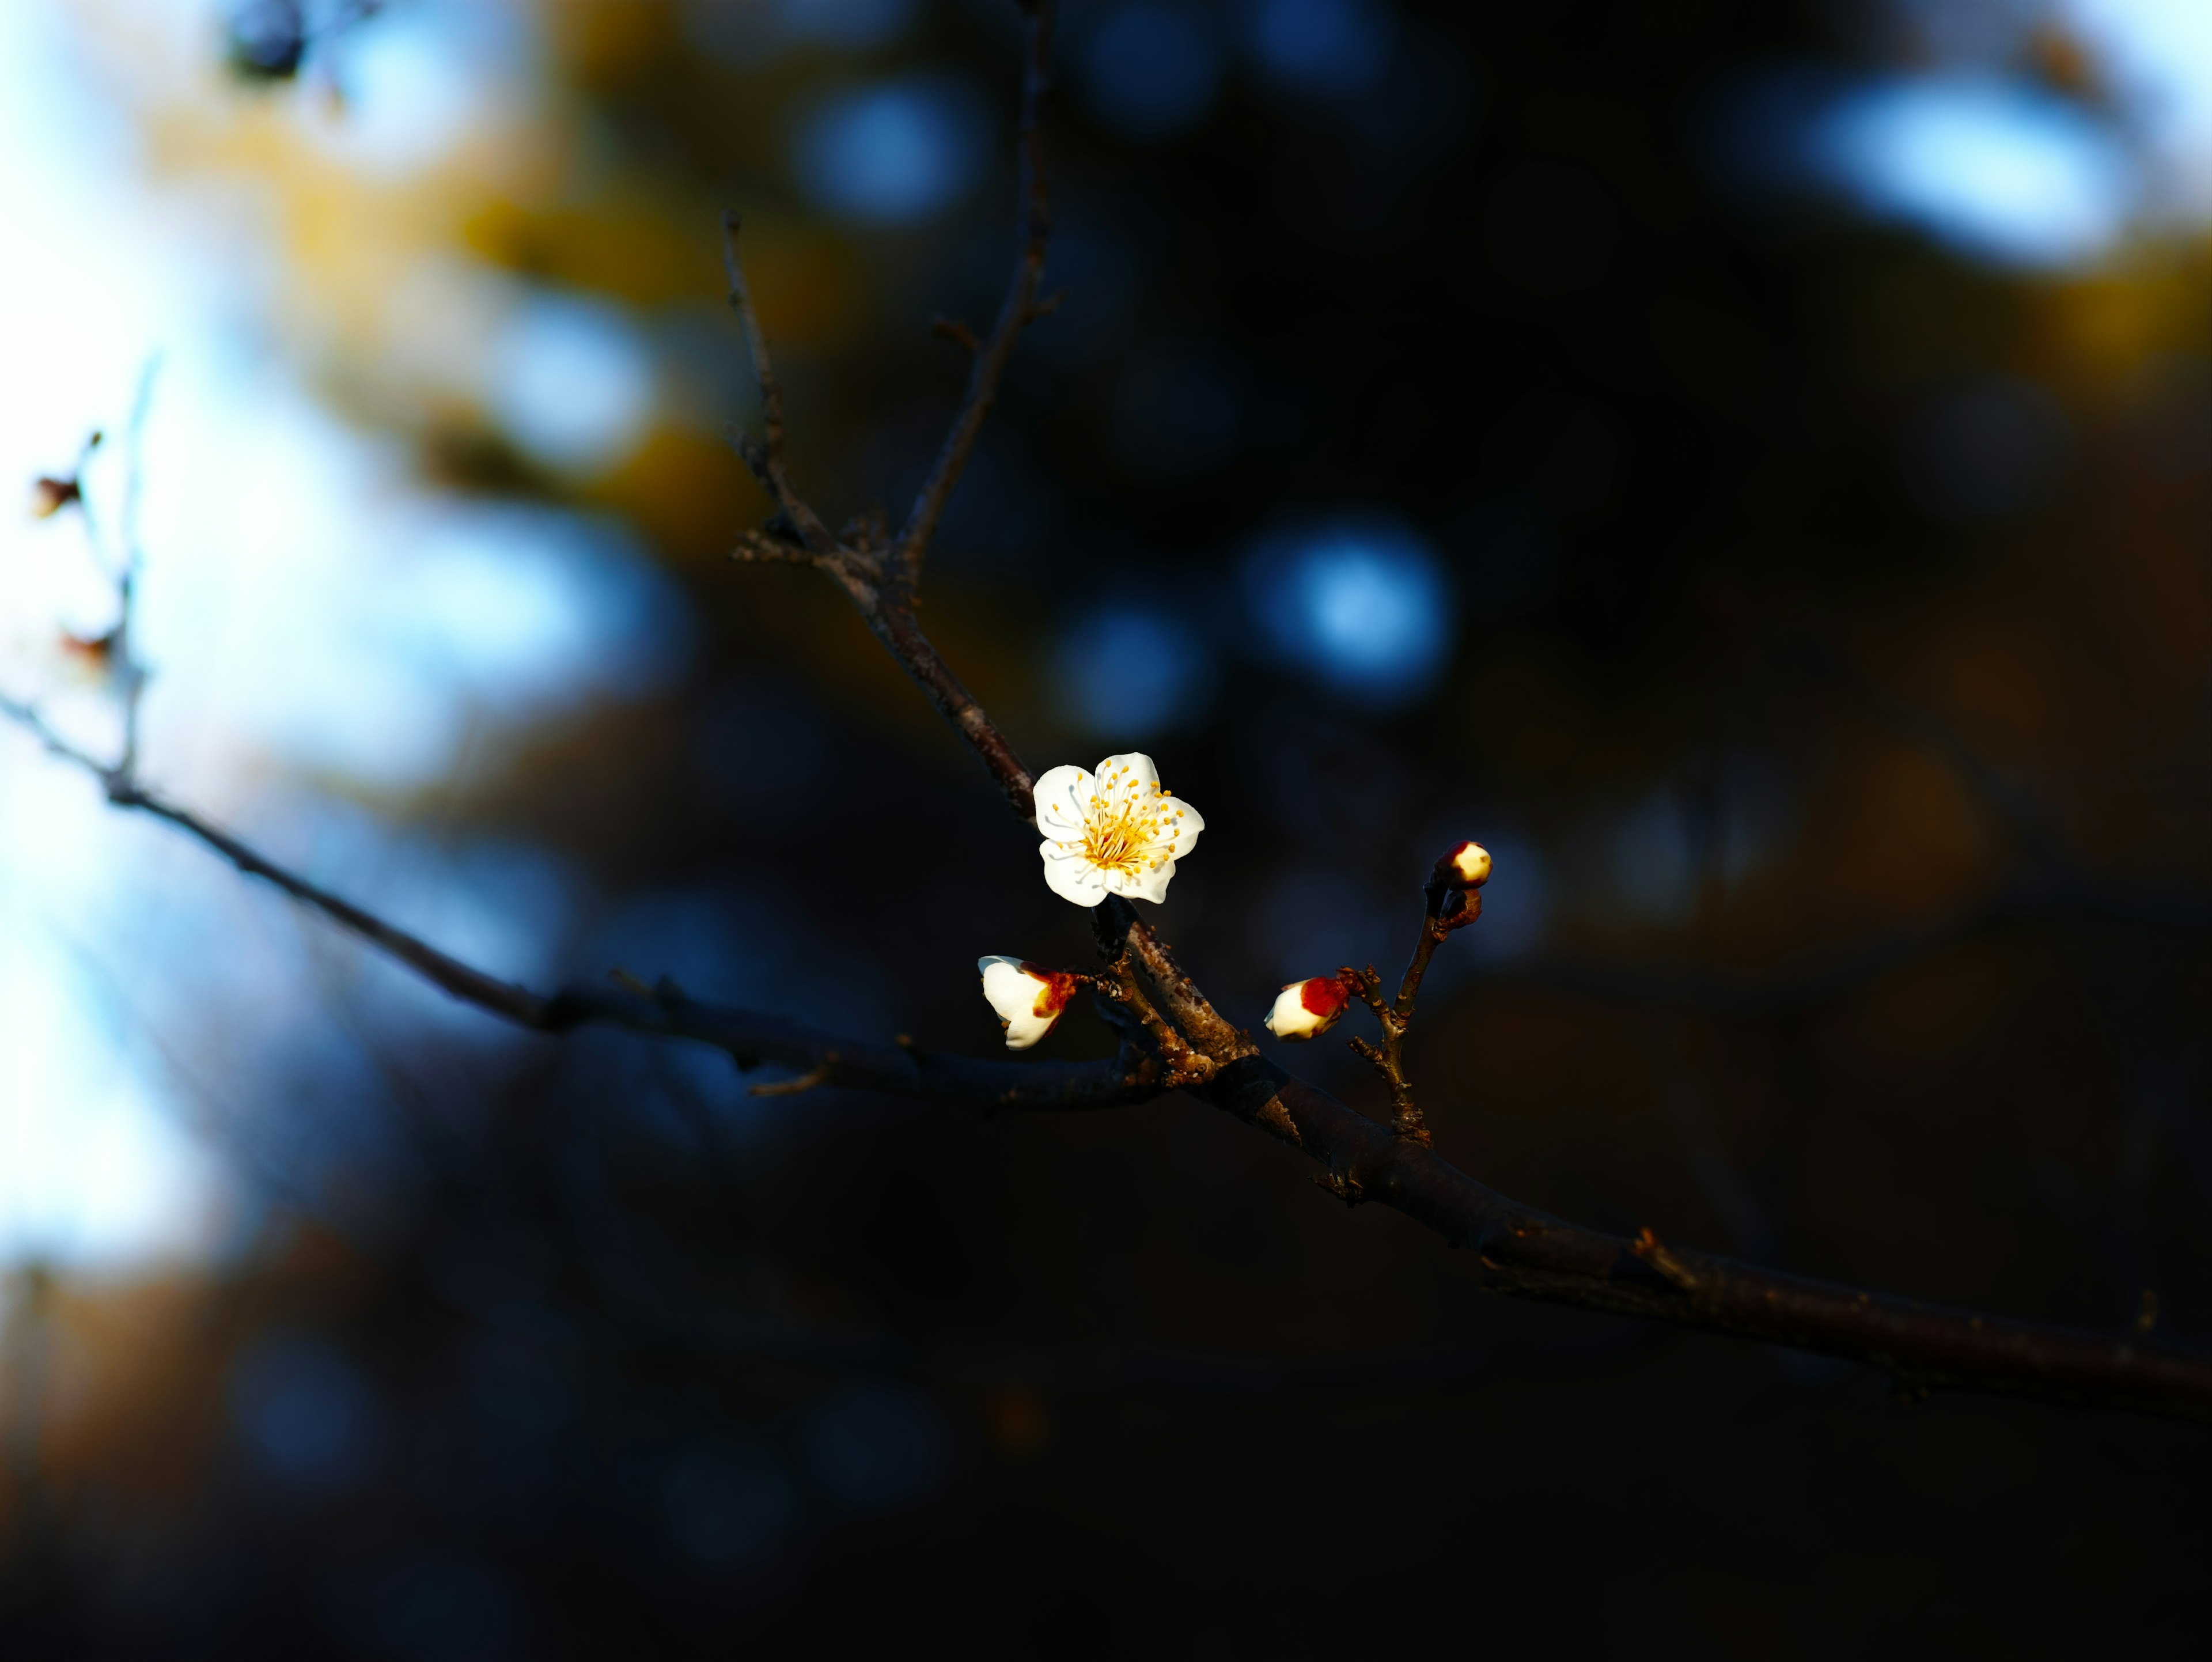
x=818, y=1074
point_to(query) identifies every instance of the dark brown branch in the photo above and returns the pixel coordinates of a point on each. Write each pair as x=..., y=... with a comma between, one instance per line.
x=892, y=622
x=1521, y=1250
x=1445, y=909
x=1116, y=923
x=1529, y=1254
x=957, y=333
x=471, y=986
x=883, y=590
x=765, y=456
x=884, y=599
x=758, y=548
x=1119, y=986
x=750, y=1038
x=129, y=672
x=821, y=1074
x=1016, y=312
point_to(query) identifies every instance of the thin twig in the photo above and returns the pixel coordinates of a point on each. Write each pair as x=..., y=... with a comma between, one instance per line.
x=471, y=986
x=1115, y=921
x=1016, y=312
x=818, y=1074
x=1520, y=1251
x=1446, y=909
x=1529, y=1254
x=957, y=333
x=891, y=620
x=758, y=548
x=129, y=672
x=751, y=1038
x=1184, y=1066
x=765, y=457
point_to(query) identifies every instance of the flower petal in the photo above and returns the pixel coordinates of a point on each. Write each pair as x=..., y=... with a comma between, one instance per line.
x=1131, y=771
x=1010, y=993
x=1070, y=876
x=1152, y=884
x=1063, y=801
x=1019, y=995
x=1179, y=836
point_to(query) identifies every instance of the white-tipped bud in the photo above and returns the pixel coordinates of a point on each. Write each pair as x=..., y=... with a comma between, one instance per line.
x=1029, y=999
x=49, y=497
x=1308, y=1008
x=1467, y=866
x=89, y=660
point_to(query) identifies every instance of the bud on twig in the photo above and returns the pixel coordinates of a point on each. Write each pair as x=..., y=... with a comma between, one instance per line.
x=1028, y=998
x=1309, y=1008
x=49, y=497
x=1465, y=866
x=92, y=659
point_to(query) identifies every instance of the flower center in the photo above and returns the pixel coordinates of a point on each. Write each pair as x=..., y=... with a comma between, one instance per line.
x=1124, y=824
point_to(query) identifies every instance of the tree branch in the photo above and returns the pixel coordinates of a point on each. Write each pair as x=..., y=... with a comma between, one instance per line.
x=891, y=620
x=1447, y=909
x=765, y=456
x=1520, y=1251
x=883, y=592
x=751, y=1038
x=1016, y=312
x=1529, y=1254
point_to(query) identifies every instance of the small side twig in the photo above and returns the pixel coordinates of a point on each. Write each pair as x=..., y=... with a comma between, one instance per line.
x=758, y=548
x=820, y=1073
x=764, y=455
x=1519, y=1250
x=957, y=333
x=1016, y=312
x=1649, y=1247
x=131, y=673
x=877, y=572
x=1117, y=926
x=1184, y=1064
x=1448, y=907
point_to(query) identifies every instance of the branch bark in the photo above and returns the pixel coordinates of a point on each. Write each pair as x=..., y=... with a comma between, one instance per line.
x=1520, y=1251
x=1529, y=1254
x=1016, y=313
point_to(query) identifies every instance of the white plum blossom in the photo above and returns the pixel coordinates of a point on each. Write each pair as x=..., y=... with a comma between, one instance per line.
x=1309, y=1008
x=1029, y=999
x=1117, y=832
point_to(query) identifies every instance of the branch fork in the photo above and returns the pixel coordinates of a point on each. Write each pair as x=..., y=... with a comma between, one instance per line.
x=1173, y=1037
x=1453, y=900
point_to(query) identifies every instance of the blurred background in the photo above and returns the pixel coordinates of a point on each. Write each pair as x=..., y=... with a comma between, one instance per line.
x=1749, y=463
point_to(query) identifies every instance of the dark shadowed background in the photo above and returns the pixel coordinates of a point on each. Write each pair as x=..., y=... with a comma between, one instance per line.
x=1749, y=464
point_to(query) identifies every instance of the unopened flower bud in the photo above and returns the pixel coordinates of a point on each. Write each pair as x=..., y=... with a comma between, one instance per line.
x=49, y=497
x=1028, y=999
x=1466, y=866
x=1308, y=1008
x=90, y=659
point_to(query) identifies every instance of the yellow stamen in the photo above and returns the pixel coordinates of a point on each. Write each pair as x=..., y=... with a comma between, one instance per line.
x=1118, y=835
